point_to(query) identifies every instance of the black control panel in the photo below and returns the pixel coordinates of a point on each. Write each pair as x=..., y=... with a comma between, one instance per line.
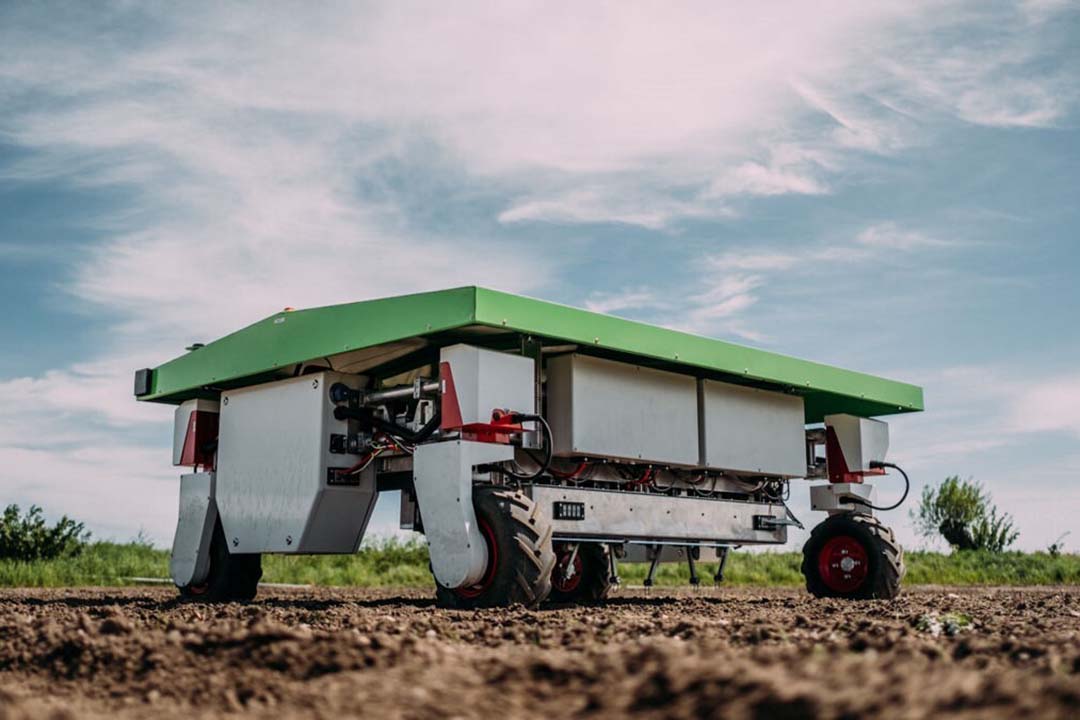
x=563, y=510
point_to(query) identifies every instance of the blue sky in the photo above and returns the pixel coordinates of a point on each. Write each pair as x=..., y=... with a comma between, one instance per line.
x=890, y=187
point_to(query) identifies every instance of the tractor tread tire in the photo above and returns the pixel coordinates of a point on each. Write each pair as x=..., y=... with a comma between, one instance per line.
x=525, y=553
x=885, y=557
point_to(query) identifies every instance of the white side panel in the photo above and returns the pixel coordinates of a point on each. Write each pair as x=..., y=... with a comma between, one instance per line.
x=487, y=380
x=190, y=559
x=838, y=497
x=443, y=478
x=181, y=416
x=274, y=459
x=603, y=408
x=862, y=440
x=747, y=430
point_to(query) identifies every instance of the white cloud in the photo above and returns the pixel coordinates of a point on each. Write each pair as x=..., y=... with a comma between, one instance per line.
x=752, y=178
x=730, y=283
x=888, y=235
x=1048, y=405
x=611, y=205
x=116, y=488
x=614, y=302
x=866, y=245
x=751, y=260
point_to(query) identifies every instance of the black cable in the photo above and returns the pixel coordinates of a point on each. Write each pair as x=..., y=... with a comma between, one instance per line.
x=548, y=443
x=907, y=488
x=369, y=420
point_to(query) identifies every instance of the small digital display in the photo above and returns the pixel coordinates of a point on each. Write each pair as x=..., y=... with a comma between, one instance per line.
x=569, y=511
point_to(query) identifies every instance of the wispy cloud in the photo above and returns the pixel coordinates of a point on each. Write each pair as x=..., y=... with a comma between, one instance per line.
x=889, y=236
x=1049, y=404
x=611, y=204
x=616, y=302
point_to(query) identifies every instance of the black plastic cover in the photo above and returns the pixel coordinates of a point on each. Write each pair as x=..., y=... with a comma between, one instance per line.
x=142, y=381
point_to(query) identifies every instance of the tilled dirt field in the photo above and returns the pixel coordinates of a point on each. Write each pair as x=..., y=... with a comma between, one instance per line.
x=717, y=653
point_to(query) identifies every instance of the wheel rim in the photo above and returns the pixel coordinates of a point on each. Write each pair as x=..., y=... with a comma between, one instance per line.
x=559, y=580
x=475, y=591
x=843, y=564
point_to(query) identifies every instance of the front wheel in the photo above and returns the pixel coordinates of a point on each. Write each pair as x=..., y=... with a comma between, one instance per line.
x=231, y=576
x=519, y=550
x=581, y=576
x=853, y=556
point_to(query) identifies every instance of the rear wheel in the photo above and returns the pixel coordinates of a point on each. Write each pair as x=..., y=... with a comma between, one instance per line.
x=519, y=550
x=853, y=556
x=231, y=576
x=583, y=576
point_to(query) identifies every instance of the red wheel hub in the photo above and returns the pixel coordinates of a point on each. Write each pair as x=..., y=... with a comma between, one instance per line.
x=561, y=578
x=474, y=591
x=843, y=564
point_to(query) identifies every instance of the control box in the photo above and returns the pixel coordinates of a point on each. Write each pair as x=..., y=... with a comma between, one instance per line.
x=280, y=488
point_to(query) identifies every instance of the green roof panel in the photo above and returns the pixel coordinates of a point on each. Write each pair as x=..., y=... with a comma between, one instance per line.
x=288, y=338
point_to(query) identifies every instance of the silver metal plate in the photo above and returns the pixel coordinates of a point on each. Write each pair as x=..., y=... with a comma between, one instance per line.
x=443, y=478
x=642, y=516
x=862, y=440
x=752, y=431
x=273, y=461
x=602, y=408
x=190, y=559
x=487, y=380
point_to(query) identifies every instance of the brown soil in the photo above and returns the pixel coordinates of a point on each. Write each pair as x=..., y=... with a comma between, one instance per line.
x=127, y=653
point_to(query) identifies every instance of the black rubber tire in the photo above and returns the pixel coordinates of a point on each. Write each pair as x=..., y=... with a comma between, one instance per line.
x=885, y=557
x=524, y=556
x=595, y=582
x=231, y=577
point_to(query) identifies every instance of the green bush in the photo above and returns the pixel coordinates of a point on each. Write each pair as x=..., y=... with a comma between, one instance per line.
x=27, y=537
x=961, y=512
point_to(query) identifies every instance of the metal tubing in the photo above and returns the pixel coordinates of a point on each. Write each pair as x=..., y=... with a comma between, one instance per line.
x=405, y=391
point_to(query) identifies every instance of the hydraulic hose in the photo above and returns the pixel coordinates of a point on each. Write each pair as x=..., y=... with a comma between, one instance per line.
x=548, y=443
x=907, y=488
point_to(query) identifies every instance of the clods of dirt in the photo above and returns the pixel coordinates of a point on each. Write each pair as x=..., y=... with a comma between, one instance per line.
x=732, y=653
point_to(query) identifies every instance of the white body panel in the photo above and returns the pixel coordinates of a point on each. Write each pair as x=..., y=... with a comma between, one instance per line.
x=487, y=380
x=747, y=430
x=862, y=440
x=180, y=422
x=274, y=458
x=443, y=479
x=836, y=497
x=189, y=562
x=602, y=408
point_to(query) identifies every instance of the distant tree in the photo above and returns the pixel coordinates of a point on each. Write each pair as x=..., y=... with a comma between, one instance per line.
x=961, y=511
x=27, y=537
x=1058, y=545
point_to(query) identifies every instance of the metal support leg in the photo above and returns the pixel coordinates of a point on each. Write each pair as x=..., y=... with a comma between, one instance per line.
x=443, y=478
x=655, y=551
x=695, y=580
x=719, y=577
x=613, y=568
